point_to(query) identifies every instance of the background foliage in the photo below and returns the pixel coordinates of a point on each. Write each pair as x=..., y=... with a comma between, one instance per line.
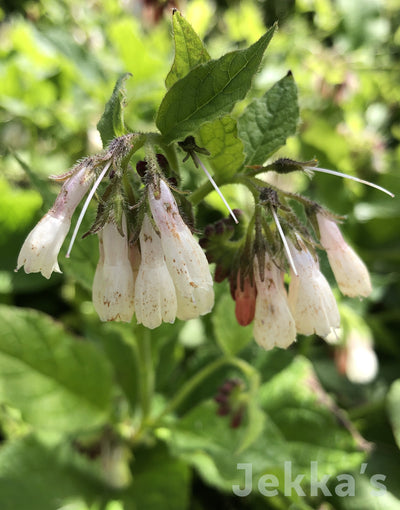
x=112, y=416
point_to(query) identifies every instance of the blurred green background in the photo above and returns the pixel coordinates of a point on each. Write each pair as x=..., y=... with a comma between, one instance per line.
x=59, y=61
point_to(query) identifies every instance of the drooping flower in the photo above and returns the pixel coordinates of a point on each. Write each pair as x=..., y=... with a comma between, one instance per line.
x=361, y=362
x=186, y=261
x=274, y=325
x=311, y=301
x=113, y=285
x=41, y=247
x=350, y=272
x=155, y=297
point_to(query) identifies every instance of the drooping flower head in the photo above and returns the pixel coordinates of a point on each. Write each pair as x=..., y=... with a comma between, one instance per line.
x=350, y=271
x=186, y=261
x=40, y=250
x=155, y=296
x=274, y=325
x=311, y=301
x=113, y=284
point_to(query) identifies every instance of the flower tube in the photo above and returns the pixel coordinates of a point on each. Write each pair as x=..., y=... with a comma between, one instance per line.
x=274, y=325
x=41, y=247
x=113, y=284
x=350, y=272
x=186, y=261
x=155, y=297
x=311, y=301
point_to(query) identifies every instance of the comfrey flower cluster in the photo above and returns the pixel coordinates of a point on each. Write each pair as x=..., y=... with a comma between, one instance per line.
x=151, y=265
x=274, y=271
x=158, y=272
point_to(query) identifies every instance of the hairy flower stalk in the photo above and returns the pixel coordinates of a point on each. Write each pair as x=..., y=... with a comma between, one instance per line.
x=311, y=301
x=155, y=296
x=186, y=261
x=113, y=285
x=350, y=272
x=41, y=248
x=274, y=325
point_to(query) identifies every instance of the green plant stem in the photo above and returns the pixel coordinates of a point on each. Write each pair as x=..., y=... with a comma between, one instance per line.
x=200, y=193
x=198, y=378
x=146, y=370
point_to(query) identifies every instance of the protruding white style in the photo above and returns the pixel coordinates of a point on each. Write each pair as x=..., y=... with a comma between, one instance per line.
x=41, y=248
x=155, y=297
x=351, y=274
x=215, y=186
x=311, y=301
x=312, y=169
x=113, y=285
x=361, y=361
x=186, y=261
x=274, y=325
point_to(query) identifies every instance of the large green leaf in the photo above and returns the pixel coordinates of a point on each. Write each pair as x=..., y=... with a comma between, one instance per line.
x=36, y=477
x=296, y=426
x=189, y=50
x=209, y=90
x=58, y=383
x=220, y=138
x=111, y=123
x=269, y=120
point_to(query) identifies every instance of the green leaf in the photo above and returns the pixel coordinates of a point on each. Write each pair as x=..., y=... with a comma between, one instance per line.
x=37, y=477
x=209, y=90
x=189, y=50
x=231, y=337
x=58, y=383
x=393, y=407
x=159, y=481
x=220, y=138
x=111, y=124
x=300, y=409
x=293, y=424
x=268, y=121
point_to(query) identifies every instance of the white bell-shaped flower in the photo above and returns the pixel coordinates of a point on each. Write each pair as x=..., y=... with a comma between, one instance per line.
x=113, y=284
x=274, y=325
x=155, y=297
x=41, y=247
x=186, y=261
x=311, y=301
x=361, y=360
x=350, y=272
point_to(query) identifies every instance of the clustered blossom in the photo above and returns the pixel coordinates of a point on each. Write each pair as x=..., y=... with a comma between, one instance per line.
x=153, y=267
x=163, y=276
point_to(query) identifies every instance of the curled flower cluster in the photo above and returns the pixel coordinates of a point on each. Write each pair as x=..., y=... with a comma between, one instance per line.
x=162, y=276
x=151, y=265
x=308, y=305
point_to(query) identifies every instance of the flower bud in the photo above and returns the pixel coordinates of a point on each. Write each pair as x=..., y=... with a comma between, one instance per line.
x=245, y=301
x=41, y=247
x=113, y=285
x=350, y=271
x=274, y=325
x=155, y=297
x=311, y=301
x=186, y=261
